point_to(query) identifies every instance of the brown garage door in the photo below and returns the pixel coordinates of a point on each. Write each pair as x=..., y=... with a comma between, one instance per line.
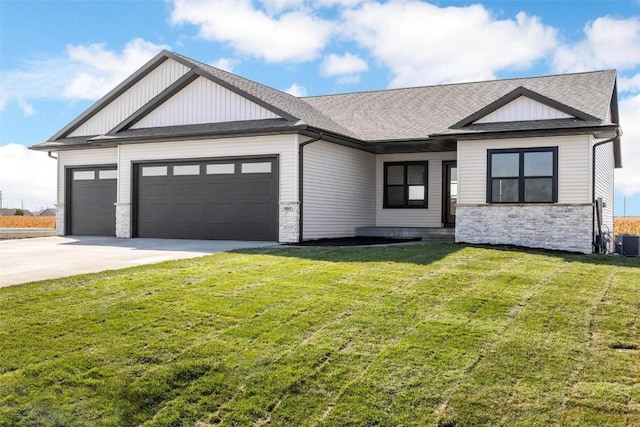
x=91, y=198
x=217, y=199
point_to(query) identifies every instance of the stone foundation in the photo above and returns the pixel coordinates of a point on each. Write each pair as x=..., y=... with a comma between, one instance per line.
x=60, y=219
x=289, y=222
x=548, y=226
x=123, y=220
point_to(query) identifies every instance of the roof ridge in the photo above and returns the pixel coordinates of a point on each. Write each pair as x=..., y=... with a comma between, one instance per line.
x=220, y=70
x=610, y=70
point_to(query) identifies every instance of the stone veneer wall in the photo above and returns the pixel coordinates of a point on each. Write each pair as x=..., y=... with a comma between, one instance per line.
x=123, y=220
x=60, y=219
x=548, y=226
x=289, y=222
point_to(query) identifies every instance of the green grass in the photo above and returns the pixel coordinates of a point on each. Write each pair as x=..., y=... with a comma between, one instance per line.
x=414, y=335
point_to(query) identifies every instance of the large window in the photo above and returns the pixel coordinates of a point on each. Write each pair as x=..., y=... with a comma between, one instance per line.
x=528, y=175
x=405, y=185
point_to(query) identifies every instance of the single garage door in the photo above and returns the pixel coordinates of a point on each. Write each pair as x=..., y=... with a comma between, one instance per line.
x=91, y=197
x=218, y=199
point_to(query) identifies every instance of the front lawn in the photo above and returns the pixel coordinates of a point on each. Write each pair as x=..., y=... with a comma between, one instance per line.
x=409, y=335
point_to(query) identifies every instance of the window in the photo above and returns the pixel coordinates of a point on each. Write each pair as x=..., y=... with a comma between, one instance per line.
x=262, y=167
x=221, y=169
x=154, y=171
x=528, y=175
x=405, y=185
x=186, y=170
x=84, y=175
x=108, y=174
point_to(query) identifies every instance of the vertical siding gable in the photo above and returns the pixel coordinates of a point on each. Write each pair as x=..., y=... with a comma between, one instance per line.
x=133, y=99
x=522, y=109
x=203, y=101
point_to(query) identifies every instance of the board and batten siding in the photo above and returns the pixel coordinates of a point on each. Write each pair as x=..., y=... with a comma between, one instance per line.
x=204, y=101
x=574, y=171
x=604, y=184
x=430, y=217
x=339, y=190
x=132, y=99
x=523, y=108
x=285, y=146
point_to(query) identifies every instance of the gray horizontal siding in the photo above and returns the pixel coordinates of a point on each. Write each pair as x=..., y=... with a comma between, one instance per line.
x=339, y=190
x=604, y=184
x=430, y=217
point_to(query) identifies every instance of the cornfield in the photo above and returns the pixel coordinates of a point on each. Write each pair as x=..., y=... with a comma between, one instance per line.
x=27, y=222
x=626, y=224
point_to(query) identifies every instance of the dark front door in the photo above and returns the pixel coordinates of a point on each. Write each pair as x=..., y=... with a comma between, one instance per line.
x=450, y=192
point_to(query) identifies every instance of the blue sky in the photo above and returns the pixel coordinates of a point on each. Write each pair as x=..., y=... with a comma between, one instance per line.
x=58, y=57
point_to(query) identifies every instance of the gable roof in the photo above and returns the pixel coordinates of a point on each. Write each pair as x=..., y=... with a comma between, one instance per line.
x=517, y=93
x=412, y=113
x=393, y=117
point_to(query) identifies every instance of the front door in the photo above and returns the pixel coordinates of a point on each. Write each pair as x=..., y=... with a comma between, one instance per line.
x=450, y=193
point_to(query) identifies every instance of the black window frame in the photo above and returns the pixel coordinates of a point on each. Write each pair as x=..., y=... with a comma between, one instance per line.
x=405, y=185
x=521, y=177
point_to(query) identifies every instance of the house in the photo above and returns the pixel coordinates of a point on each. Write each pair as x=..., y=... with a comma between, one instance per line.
x=13, y=211
x=45, y=212
x=184, y=150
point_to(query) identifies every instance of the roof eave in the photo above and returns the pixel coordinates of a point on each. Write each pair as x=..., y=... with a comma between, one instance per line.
x=100, y=141
x=520, y=133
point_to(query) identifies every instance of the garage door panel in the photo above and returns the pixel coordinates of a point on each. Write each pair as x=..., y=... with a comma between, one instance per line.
x=218, y=203
x=92, y=199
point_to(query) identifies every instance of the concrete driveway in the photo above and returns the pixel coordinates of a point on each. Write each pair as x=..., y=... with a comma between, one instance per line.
x=28, y=260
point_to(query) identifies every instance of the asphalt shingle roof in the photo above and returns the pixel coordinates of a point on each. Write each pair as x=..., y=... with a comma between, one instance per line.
x=414, y=113
x=297, y=107
x=382, y=116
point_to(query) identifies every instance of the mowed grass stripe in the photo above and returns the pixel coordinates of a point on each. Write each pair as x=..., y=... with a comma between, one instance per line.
x=357, y=281
x=326, y=336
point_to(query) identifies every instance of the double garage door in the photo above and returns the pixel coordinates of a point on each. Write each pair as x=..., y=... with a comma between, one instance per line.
x=234, y=199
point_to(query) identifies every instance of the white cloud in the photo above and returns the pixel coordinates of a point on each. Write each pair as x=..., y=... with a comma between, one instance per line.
x=225, y=64
x=613, y=43
x=41, y=78
x=629, y=84
x=609, y=43
x=628, y=178
x=296, y=90
x=279, y=5
x=84, y=72
x=425, y=44
x=347, y=64
x=26, y=176
x=340, y=3
x=292, y=36
x=27, y=109
x=101, y=69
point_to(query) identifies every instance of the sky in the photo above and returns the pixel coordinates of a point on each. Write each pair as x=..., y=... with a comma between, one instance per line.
x=58, y=57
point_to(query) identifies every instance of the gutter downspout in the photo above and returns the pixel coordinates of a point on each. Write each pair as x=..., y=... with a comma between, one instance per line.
x=51, y=155
x=301, y=183
x=593, y=188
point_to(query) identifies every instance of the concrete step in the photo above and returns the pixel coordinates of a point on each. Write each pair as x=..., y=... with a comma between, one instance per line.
x=440, y=235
